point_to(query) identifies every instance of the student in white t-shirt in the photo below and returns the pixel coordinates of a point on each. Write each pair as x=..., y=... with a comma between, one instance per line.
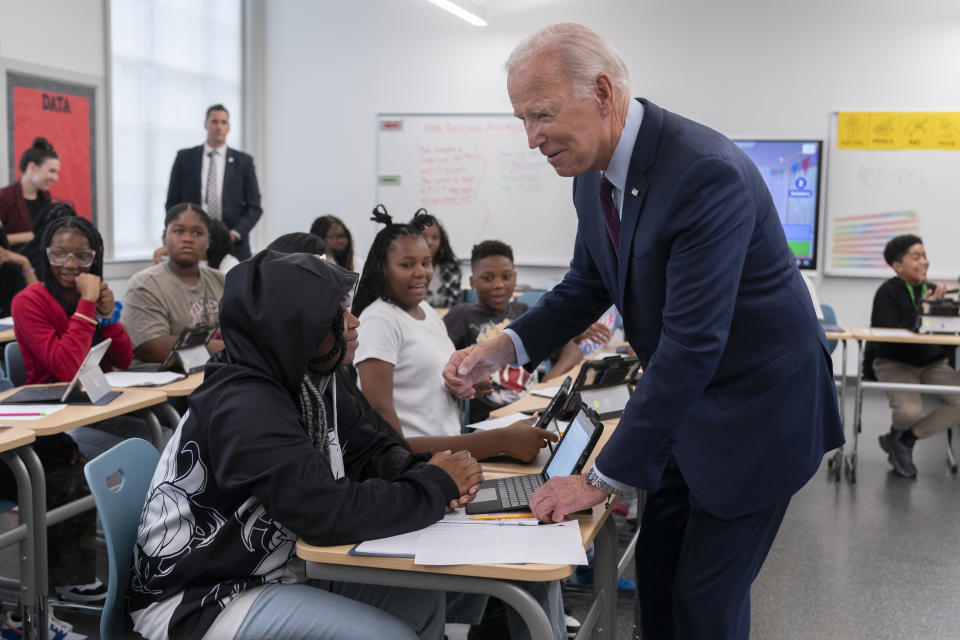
x=404, y=347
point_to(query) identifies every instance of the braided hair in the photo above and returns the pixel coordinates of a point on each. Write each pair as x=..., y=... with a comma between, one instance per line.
x=64, y=224
x=421, y=220
x=372, y=285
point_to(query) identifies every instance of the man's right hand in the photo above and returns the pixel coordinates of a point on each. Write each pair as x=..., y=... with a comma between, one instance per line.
x=522, y=441
x=88, y=286
x=464, y=470
x=469, y=366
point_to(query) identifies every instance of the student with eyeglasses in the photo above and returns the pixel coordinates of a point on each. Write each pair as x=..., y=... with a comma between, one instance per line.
x=57, y=320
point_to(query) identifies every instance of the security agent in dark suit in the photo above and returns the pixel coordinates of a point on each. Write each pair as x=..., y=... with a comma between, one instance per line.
x=736, y=406
x=232, y=195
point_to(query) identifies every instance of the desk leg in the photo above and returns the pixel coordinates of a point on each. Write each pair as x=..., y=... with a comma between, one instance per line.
x=156, y=431
x=606, y=572
x=850, y=463
x=28, y=595
x=835, y=462
x=522, y=602
x=170, y=414
x=38, y=483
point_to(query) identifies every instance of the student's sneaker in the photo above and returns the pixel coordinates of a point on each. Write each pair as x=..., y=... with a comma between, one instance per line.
x=59, y=630
x=573, y=625
x=900, y=455
x=91, y=593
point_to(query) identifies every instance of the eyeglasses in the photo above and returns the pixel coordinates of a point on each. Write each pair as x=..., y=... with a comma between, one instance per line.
x=59, y=257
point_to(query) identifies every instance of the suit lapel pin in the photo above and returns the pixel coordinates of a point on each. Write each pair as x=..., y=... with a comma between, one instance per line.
x=231, y=160
x=633, y=192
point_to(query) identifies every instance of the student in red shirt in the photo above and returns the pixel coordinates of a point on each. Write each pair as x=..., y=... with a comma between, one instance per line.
x=57, y=320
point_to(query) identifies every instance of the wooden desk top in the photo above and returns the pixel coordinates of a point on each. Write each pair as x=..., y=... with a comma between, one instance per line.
x=913, y=338
x=15, y=436
x=7, y=335
x=442, y=311
x=183, y=387
x=128, y=401
x=589, y=526
x=846, y=334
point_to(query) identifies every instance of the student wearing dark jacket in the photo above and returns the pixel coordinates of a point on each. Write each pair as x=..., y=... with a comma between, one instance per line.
x=272, y=448
x=896, y=305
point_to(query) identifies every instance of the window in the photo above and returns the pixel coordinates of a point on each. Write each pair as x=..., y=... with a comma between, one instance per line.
x=170, y=60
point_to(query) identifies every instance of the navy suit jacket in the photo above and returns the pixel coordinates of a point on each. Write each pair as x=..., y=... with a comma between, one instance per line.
x=240, y=200
x=737, y=380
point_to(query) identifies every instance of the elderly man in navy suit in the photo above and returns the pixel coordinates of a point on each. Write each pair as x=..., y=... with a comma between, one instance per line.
x=222, y=180
x=736, y=405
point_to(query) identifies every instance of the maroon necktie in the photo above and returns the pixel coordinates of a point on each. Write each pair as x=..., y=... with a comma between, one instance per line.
x=610, y=215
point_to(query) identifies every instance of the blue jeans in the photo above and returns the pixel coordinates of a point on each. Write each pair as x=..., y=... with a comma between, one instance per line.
x=356, y=611
x=102, y=436
x=467, y=608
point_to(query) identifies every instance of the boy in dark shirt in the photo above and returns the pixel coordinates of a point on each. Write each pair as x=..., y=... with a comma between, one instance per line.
x=494, y=279
x=896, y=305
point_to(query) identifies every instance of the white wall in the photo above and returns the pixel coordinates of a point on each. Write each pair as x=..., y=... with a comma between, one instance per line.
x=60, y=34
x=745, y=67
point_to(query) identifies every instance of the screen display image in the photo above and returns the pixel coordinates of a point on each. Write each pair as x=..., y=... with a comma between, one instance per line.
x=575, y=440
x=791, y=171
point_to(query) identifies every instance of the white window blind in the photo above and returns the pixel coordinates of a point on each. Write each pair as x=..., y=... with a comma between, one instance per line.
x=170, y=60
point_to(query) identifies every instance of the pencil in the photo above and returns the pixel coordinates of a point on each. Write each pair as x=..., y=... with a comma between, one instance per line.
x=503, y=516
x=11, y=415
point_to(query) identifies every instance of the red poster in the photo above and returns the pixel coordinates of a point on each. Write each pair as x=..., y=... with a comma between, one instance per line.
x=64, y=117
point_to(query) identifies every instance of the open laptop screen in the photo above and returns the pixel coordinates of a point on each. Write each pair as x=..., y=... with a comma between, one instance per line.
x=575, y=440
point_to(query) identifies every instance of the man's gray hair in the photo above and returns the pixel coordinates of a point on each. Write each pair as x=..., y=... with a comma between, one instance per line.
x=581, y=54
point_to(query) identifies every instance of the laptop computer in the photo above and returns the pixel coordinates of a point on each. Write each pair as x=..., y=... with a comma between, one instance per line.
x=189, y=352
x=605, y=385
x=96, y=389
x=569, y=456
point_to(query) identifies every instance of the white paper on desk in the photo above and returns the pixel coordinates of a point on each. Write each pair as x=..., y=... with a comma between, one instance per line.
x=403, y=545
x=893, y=333
x=454, y=544
x=142, y=378
x=496, y=423
x=8, y=411
x=545, y=392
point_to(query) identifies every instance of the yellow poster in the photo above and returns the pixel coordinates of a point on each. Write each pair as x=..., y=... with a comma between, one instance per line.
x=946, y=131
x=884, y=130
x=917, y=130
x=852, y=130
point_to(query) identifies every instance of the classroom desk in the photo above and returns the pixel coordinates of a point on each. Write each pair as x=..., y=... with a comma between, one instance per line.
x=176, y=389
x=129, y=401
x=868, y=335
x=335, y=563
x=12, y=438
x=835, y=462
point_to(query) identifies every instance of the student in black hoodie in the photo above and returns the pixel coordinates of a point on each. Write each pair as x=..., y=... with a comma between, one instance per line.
x=273, y=448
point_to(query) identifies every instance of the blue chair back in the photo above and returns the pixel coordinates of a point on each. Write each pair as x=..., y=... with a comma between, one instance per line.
x=13, y=362
x=468, y=295
x=530, y=298
x=829, y=317
x=119, y=508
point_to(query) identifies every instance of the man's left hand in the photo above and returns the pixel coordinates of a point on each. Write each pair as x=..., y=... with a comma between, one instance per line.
x=563, y=495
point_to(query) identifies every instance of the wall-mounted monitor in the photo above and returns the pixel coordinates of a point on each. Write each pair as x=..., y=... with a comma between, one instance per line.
x=791, y=169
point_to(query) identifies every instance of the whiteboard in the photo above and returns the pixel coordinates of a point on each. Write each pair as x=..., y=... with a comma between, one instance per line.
x=873, y=195
x=477, y=176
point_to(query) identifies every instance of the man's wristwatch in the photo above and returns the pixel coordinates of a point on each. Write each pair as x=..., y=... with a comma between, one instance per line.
x=594, y=480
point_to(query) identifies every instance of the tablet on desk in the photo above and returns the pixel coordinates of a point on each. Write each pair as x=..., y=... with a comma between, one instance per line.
x=605, y=385
x=96, y=389
x=188, y=354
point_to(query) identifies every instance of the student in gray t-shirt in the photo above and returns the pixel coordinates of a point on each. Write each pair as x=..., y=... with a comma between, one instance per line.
x=180, y=292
